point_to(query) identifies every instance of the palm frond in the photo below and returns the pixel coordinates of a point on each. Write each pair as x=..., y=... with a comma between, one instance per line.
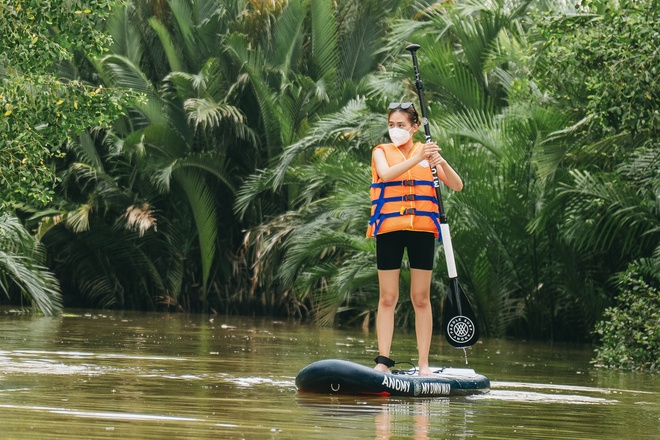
x=321, y=242
x=87, y=150
x=126, y=38
x=204, y=113
x=162, y=140
x=456, y=86
x=602, y=213
x=140, y=218
x=343, y=125
x=21, y=267
x=269, y=111
x=361, y=31
x=182, y=13
x=210, y=162
x=479, y=24
x=122, y=73
x=288, y=36
x=78, y=219
x=252, y=190
x=36, y=282
x=202, y=202
x=643, y=167
x=493, y=294
x=325, y=54
x=478, y=126
x=171, y=51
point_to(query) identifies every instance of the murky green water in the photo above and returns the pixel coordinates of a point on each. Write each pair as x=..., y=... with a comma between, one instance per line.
x=155, y=376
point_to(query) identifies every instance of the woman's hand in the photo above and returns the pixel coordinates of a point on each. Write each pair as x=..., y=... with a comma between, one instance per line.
x=429, y=151
x=436, y=160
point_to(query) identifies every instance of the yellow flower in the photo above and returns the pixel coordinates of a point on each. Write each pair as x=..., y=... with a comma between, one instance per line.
x=75, y=105
x=59, y=102
x=87, y=11
x=8, y=112
x=78, y=12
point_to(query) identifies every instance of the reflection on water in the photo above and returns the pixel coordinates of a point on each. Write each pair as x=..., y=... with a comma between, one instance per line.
x=135, y=375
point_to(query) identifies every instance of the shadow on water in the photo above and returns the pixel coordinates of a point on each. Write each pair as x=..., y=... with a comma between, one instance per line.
x=138, y=375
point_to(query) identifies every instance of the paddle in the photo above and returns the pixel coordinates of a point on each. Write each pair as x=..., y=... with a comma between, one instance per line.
x=459, y=320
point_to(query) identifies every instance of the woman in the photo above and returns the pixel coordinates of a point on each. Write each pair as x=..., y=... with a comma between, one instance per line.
x=404, y=215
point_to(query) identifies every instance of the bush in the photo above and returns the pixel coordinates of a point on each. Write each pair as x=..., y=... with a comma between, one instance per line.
x=630, y=331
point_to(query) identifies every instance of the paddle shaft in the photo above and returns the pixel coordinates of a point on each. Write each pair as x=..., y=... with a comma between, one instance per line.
x=444, y=226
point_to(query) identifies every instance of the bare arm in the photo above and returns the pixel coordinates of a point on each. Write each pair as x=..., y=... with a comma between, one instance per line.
x=431, y=152
x=388, y=173
x=446, y=173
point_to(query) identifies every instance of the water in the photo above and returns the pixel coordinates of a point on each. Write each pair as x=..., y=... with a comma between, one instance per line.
x=154, y=376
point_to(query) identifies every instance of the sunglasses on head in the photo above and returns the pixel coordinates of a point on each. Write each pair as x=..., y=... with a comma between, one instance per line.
x=401, y=105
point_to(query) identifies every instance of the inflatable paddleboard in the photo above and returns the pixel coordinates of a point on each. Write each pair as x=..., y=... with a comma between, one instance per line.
x=334, y=376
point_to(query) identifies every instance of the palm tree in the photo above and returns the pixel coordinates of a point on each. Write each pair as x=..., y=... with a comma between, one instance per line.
x=311, y=120
x=23, y=270
x=170, y=162
x=310, y=243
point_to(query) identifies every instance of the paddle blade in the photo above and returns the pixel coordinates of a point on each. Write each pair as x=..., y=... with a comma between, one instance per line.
x=459, y=320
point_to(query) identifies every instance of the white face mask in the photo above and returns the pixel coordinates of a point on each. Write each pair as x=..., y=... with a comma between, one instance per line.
x=399, y=136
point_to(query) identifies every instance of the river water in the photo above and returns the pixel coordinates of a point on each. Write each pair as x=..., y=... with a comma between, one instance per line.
x=124, y=375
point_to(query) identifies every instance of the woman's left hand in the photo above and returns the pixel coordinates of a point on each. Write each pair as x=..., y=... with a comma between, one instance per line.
x=436, y=159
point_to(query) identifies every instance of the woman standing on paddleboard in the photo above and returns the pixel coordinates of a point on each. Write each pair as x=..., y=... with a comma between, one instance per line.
x=404, y=215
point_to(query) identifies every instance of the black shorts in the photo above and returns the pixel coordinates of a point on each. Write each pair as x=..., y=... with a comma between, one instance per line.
x=390, y=246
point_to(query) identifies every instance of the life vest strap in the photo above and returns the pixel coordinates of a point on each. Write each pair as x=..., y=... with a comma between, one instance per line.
x=406, y=198
x=410, y=211
x=410, y=182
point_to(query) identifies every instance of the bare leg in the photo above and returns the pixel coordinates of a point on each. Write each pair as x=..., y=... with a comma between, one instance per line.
x=388, y=281
x=420, y=295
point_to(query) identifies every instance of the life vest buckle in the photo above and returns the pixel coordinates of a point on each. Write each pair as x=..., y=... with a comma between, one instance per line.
x=408, y=211
x=408, y=182
x=409, y=197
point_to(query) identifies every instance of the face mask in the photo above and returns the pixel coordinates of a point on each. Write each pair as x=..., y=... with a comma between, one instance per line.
x=399, y=136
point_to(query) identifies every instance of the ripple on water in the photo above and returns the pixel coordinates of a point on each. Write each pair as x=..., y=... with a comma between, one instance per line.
x=553, y=393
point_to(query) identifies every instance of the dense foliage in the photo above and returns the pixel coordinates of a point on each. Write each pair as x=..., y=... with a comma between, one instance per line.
x=630, y=331
x=41, y=109
x=238, y=182
x=43, y=105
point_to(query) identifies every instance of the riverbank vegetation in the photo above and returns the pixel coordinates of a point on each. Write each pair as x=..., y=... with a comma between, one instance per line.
x=227, y=166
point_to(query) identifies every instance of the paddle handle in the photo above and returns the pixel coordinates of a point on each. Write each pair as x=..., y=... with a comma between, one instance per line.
x=419, y=85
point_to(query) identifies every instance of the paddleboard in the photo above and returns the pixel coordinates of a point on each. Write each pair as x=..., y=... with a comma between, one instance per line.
x=336, y=376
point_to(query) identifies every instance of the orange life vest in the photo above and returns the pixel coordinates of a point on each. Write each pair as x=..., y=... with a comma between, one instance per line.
x=408, y=202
